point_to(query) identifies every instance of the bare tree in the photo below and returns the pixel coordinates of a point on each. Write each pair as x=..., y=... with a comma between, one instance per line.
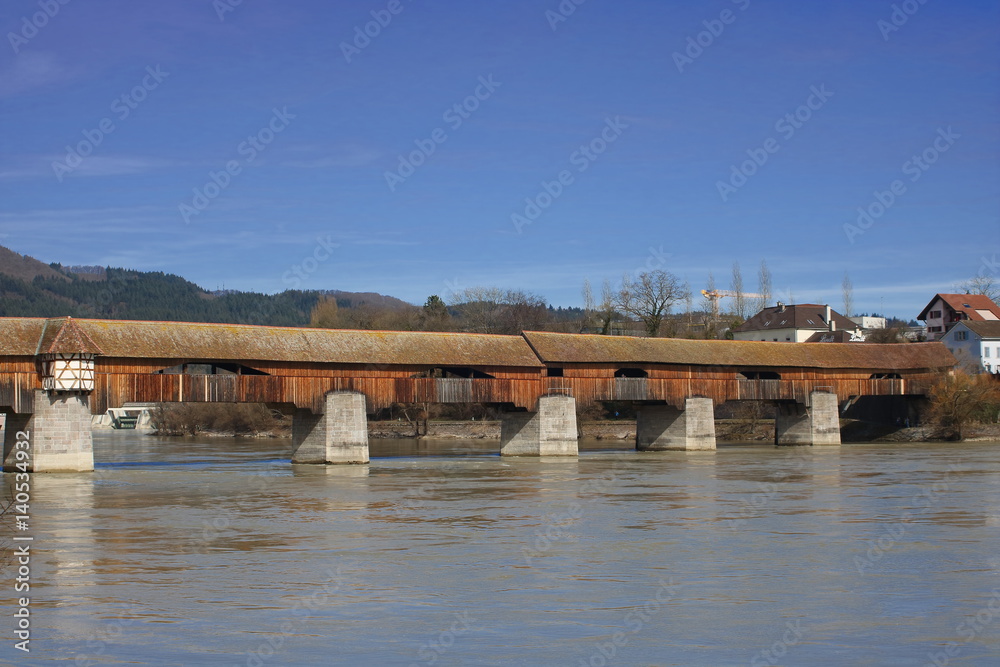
x=688, y=305
x=962, y=398
x=606, y=310
x=588, y=305
x=848, y=290
x=479, y=308
x=324, y=314
x=649, y=297
x=763, y=286
x=709, y=289
x=736, y=287
x=981, y=283
x=496, y=311
x=523, y=311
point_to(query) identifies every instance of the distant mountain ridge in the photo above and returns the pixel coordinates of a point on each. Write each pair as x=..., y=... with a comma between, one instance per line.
x=30, y=288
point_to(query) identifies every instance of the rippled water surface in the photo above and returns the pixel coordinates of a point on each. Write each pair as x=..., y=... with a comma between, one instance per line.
x=221, y=552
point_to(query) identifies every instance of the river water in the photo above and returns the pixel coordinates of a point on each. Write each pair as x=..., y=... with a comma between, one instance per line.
x=220, y=552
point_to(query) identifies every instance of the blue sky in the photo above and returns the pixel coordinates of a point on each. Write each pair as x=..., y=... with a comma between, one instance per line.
x=246, y=146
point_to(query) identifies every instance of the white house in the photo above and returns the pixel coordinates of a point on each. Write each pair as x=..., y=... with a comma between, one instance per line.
x=868, y=322
x=975, y=343
x=797, y=324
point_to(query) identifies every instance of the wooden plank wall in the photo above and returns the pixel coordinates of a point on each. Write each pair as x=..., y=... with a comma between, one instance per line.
x=303, y=385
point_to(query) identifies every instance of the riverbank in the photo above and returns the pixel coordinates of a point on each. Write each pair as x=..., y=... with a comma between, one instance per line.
x=726, y=430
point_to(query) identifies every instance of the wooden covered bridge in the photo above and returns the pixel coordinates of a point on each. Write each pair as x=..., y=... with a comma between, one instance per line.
x=55, y=373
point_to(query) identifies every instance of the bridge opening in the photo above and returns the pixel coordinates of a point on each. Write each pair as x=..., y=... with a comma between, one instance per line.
x=759, y=375
x=886, y=376
x=209, y=368
x=631, y=373
x=453, y=372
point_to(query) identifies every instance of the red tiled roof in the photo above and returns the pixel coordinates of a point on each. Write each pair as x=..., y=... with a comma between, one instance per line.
x=964, y=303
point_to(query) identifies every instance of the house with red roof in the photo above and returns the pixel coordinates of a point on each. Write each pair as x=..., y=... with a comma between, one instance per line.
x=946, y=310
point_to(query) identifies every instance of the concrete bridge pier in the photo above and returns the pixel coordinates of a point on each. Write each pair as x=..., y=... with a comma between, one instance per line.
x=58, y=434
x=662, y=427
x=339, y=435
x=817, y=424
x=549, y=432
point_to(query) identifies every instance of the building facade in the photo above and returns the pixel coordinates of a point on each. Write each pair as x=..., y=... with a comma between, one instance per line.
x=946, y=310
x=795, y=324
x=975, y=344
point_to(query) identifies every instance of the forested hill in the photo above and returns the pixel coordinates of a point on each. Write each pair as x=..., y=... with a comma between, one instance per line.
x=29, y=288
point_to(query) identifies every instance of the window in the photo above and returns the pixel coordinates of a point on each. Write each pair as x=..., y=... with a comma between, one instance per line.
x=452, y=372
x=631, y=373
x=209, y=368
x=555, y=372
x=935, y=315
x=934, y=329
x=758, y=375
x=961, y=335
x=986, y=351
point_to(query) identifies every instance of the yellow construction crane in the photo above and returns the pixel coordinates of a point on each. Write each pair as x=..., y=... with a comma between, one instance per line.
x=714, y=295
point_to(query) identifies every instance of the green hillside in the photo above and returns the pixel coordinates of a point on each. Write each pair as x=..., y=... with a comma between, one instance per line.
x=29, y=288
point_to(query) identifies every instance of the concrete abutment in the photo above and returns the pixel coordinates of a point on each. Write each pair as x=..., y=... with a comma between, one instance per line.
x=549, y=432
x=815, y=424
x=338, y=436
x=664, y=427
x=57, y=434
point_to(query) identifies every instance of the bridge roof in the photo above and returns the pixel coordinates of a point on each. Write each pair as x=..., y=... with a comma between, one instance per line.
x=620, y=350
x=233, y=342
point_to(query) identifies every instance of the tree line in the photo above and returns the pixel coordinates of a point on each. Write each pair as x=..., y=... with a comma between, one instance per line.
x=648, y=303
